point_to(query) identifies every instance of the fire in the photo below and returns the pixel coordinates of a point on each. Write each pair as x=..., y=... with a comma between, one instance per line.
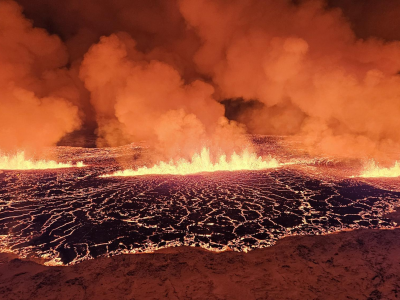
x=203, y=163
x=20, y=162
x=373, y=170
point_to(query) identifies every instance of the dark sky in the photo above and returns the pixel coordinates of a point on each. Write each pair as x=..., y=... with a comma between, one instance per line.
x=379, y=18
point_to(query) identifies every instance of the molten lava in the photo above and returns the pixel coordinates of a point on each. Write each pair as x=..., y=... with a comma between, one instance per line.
x=203, y=163
x=372, y=170
x=20, y=162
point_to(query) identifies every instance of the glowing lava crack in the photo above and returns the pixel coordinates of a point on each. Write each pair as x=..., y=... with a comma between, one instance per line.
x=203, y=163
x=20, y=162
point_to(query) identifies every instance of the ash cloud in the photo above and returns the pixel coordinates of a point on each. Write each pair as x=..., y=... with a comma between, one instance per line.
x=160, y=71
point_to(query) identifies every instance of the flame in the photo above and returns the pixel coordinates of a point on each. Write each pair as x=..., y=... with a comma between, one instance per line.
x=373, y=170
x=20, y=162
x=202, y=163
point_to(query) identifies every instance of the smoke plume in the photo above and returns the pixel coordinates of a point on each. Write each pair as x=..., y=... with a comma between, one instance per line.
x=139, y=98
x=308, y=68
x=36, y=95
x=162, y=71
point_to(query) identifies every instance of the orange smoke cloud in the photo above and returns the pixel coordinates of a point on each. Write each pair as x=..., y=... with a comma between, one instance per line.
x=138, y=98
x=33, y=112
x=305, y=64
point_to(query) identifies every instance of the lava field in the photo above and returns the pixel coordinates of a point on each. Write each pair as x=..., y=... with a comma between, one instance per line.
x=68, y=215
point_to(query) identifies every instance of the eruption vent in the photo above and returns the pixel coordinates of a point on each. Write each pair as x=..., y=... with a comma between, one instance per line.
x=203, y=163
x=372, y=170
x=20, y=162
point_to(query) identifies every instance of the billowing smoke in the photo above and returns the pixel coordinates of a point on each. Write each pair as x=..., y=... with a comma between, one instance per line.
x=160, y=72
x=139, y=98
x=305, y=64
x=36, y=93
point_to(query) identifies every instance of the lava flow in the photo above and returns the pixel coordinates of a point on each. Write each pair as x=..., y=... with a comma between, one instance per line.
x=203, y=163
x=20, y=162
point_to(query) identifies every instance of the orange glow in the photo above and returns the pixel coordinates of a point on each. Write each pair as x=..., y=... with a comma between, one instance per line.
x=203, y=163
x=20, y=162
x=372, y=170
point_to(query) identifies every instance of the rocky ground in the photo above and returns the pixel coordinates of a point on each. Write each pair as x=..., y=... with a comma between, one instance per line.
x=361, y=264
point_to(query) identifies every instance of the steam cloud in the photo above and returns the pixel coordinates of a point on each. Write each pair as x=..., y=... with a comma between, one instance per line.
x=159, y=70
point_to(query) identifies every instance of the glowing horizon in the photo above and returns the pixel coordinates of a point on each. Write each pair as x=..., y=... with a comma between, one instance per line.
x=202, y=162
x=20, y=162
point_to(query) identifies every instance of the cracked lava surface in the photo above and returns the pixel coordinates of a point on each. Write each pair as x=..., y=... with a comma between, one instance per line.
x=69, y=215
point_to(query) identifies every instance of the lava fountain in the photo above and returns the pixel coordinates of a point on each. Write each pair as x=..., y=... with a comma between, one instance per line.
x=20, y=162
x=373, y=170
x=202, y=162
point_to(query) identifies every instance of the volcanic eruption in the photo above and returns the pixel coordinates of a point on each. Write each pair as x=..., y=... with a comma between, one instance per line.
x=131, y=126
